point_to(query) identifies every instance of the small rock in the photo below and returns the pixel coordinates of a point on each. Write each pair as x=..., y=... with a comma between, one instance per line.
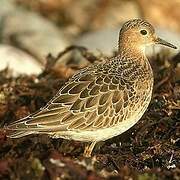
x=30, y=31
x=18, y=61
x=103, y=41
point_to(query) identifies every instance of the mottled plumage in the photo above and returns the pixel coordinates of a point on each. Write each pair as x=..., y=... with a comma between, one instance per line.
x=102, y=100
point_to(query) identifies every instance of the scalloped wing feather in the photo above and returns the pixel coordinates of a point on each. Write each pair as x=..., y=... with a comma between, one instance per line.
x=90, y=100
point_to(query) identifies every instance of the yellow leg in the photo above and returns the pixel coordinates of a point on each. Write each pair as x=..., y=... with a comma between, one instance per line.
x=88, y=149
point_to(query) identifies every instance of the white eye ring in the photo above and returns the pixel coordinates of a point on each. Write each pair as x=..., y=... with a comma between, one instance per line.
x=143, y=32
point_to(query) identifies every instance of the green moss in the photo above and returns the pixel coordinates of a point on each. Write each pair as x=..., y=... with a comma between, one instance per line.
x=147, y=176
x=37, y=167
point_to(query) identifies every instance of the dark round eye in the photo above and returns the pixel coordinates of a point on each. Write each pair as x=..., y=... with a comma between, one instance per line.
x=143, y=32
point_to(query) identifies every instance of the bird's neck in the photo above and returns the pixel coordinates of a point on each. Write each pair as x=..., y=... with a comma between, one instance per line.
x=131, y=51
x=135, y=56
x=128, y=46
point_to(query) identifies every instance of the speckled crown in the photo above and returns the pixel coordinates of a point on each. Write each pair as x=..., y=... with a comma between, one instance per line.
x=136, y=23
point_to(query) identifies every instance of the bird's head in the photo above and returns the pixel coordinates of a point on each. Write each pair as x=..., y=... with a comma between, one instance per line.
x=138, y=33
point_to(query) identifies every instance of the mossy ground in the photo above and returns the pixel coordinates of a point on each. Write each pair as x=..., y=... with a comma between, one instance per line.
x=149, y=150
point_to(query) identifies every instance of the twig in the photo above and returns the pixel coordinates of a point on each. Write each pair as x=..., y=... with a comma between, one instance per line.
x=51, y=61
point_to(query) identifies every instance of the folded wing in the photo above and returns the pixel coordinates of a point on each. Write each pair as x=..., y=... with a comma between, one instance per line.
x=89, y=101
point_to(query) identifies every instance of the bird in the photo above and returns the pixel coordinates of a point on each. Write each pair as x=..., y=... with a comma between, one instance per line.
x=102, y=100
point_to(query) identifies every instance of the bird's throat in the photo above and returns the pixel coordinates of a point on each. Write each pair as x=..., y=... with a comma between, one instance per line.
x=132, y=52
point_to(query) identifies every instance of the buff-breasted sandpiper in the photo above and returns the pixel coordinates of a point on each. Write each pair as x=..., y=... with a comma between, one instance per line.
x=103, y=100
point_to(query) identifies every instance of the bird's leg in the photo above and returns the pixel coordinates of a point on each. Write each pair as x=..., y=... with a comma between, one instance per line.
x=88, y=149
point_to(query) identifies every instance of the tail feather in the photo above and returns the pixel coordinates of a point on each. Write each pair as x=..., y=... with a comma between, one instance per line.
x=18, y=134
